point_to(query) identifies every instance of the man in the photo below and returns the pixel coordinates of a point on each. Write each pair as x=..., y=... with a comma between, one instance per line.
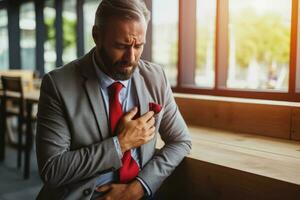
x=99, y=116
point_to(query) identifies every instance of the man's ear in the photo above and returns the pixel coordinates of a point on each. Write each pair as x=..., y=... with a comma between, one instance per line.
x=97, y=35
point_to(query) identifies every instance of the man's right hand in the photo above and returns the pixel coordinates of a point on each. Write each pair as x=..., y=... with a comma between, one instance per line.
x=135, y=132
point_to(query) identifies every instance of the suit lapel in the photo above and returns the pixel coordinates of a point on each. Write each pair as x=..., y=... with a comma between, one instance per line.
x=92, y=87
x=142, y=93
x=144, y=99
x=98, y=107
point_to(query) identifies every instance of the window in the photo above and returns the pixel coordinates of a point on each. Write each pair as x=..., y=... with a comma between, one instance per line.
x=69, y=30
x=259, y=44
x=4, y=64
x=165, y=36
x=205, y=47
x=89, y=11
x=28, y=38
x=49, y=45
x=230, y=48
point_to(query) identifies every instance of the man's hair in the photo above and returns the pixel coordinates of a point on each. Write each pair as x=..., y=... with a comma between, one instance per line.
x=127, y=9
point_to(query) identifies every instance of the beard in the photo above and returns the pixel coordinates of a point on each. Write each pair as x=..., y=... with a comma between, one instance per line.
x=118, y=70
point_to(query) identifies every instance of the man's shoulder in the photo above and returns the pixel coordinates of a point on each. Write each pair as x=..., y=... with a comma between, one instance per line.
x=153, y=75
x=67, y=68
x=150, y=68
x=72, y=70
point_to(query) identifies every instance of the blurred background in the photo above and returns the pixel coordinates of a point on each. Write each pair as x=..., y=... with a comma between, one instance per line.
x=221, y=48
x=250, y=42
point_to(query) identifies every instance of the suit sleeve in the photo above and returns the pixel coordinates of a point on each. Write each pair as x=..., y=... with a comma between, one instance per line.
x=174, y=133
x=58, y=164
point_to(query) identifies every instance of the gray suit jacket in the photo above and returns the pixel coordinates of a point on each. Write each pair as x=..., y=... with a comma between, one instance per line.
x=73, y=143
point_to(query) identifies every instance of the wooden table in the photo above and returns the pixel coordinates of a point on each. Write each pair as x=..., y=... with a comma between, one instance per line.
x=31, y=98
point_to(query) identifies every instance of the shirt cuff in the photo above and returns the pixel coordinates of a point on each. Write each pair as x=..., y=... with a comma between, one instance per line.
x=145, y=186
x=118, y=147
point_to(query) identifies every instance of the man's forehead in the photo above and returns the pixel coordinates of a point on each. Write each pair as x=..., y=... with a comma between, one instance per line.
x=134, y=39
x=127, y=30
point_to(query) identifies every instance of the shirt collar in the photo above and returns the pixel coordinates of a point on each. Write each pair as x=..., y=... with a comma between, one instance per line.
x=105, y=80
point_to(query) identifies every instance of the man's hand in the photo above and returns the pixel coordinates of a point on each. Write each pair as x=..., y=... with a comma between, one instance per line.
x=131, y=191
x=134, y=133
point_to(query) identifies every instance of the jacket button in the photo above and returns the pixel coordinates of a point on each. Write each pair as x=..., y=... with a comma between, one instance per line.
x=87, y=191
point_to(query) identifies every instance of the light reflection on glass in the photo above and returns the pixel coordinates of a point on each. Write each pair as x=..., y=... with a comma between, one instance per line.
x=49, y=45
x=4, y=63
x=165, y=36
x=205, y=53
x=89, y=10
x=259, y=44
x=28, y=38
x=69, y=30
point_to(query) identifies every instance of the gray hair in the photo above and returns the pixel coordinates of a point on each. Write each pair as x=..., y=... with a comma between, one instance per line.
x=128, y=9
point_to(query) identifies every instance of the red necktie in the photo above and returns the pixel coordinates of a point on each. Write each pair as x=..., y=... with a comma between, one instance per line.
x=130, y=168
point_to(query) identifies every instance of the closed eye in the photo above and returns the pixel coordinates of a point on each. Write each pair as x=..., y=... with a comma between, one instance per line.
x=139, y=46
x=121, y=46
x=127, y=46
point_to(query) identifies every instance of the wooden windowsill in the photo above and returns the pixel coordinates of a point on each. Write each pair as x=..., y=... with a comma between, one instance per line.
x=265, y=156
x=236, y=100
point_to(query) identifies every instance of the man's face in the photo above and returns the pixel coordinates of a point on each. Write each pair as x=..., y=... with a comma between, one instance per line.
x=120, y=46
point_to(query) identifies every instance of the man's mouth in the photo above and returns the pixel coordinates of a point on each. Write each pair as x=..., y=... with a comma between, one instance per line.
x=126, y=66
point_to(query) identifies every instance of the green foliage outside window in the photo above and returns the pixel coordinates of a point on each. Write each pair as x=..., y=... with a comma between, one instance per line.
x=264, y=38
x=69, y=28
x=69, y=31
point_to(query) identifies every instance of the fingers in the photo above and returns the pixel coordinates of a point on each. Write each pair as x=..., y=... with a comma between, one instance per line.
x=129, y=115
x=147, y=116
x=150, y=123
x=144, y=118
x=148, y=126
x=103, y=188
x=150, y=133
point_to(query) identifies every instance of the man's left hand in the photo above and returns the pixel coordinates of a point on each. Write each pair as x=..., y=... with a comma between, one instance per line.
x=131, y=191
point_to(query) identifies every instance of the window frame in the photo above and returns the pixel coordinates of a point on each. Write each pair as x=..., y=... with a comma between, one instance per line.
x=187, y=59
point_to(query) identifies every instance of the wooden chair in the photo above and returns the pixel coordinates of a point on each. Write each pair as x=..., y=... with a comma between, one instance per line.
x=13, y=105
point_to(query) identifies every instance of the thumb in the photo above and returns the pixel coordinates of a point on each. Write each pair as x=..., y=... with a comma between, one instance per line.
x=103, y=188
x=131, y=113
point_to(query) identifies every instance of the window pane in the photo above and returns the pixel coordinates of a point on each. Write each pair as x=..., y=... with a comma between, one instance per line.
x=69, y=30
x=259, y=44
x=298, y=57
x=206, y=26
x=49, y=45
x=28, y=44
x=165, y=36
x=4, y=63
x=89, y=10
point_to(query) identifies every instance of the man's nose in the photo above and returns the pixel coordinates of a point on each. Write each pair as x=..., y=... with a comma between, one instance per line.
x=129, y=56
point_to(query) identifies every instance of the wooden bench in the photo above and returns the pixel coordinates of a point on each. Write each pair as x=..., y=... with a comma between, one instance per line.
x=232, y=165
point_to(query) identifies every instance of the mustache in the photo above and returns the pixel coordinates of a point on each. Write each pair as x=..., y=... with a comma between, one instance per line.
x=125, y=64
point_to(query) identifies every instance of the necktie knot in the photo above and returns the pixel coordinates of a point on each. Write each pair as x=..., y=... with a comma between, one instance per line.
x=115, y=88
